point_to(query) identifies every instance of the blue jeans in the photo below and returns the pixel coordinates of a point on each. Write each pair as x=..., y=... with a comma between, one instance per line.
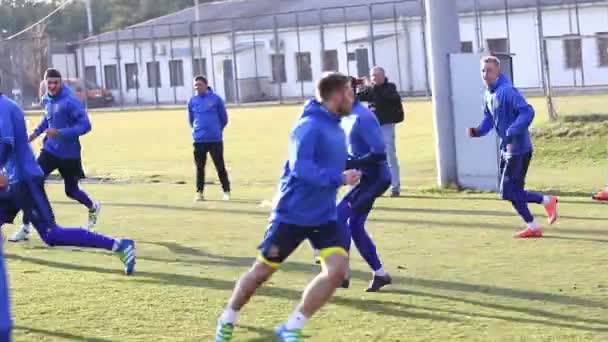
x=388, y=131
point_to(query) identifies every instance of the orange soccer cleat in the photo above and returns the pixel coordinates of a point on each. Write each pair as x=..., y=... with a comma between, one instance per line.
x=529, y=233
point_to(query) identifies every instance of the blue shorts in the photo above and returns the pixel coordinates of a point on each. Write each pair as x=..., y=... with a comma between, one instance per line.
x=282, y=239
x=69, y=169
x=30, y=197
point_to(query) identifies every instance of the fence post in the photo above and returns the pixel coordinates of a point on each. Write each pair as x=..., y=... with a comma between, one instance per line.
x=321, y=32
x=101, y=74
x=395, y=17
x=118, y=69
x=508, y=26
x=298, y=59
x=192, y=57
x=137, y=64
x=155, y=79
x=578, y=30
x=212, y=60
x=546, y=74
x=172, y=56
x=276, y=67
x=346, y=39
x=84, y=76
x=235, y=75
x=372, y=40
x=426, y=50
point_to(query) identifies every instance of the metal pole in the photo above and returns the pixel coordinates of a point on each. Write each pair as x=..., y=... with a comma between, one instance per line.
x=173, y=60
x=395, y=17
x=444, y=38
x=84, y=76
x=155, y=78
x=321, y=32
x=578, y=30
x=423, y=29
x=371, y=34
x=408, y=51
x=346, y=39
x=212, y=60
x=118, y=69
x=299, y=60
x=508, y=24
x=277, y=68
x=255, y=63
x=546, y=79
x=102, y=78
x=89, y=17
x=192, y=57
x=135, y=62
x=235, y=74
x=478, y=40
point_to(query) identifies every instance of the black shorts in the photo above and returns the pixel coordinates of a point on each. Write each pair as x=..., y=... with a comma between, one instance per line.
x=69, y=169
x=27, y=196
x=282, y=239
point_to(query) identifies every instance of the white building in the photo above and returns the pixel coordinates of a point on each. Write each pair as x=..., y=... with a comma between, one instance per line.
x=280, y=56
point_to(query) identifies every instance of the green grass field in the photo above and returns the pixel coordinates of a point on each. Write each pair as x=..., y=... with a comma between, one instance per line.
x=458, y=273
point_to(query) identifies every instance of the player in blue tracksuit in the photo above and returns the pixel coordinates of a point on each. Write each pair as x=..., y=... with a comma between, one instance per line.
x=506, y=110
x=26, y=192
x=65, y=120
x=305, y=209
x=6, y=322
x=366, y=153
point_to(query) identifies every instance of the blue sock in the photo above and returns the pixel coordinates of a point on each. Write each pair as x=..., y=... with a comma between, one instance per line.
x=76, y=237
x=534, y=197
x=363, y=241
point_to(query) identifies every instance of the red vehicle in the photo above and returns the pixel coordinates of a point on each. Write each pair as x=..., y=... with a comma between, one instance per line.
x=95, y=95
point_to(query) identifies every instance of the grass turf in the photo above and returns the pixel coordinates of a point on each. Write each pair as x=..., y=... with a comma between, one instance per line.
x=458, y=273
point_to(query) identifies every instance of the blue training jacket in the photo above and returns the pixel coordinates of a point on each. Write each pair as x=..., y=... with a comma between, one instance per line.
x=363, y=133
x=313, y=174
x=16, y=155
x=207, y=116
x=506, y=110
x=66, y=113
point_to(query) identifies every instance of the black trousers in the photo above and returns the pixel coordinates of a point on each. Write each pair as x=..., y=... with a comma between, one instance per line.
x=216, y=149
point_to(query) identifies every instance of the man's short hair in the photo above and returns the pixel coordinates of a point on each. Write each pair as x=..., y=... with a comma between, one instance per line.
x=201, y=78
x=51, y=73
x=491, y=59
x=330, y=83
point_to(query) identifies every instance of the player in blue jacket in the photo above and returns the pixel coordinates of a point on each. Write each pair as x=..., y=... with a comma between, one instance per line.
x=305, y=209
x=208, y=118
x=6, y=321
x=26, y=192
x=506, y=110
x=65, y=120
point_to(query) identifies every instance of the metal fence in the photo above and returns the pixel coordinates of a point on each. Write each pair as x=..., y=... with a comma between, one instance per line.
x=556, y=46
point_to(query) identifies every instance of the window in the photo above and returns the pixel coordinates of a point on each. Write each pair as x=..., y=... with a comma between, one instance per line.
x=278, y=68
x=303, y=63
x=90, y=73
x=199, y=67
x=466, y=47
x=176, y=73
x=498, y=45
x=330, y=60
x=602, y=49
x=131, y=75
x=351, y=57
x=153, y=69
x=110, y=76
x=573, y=51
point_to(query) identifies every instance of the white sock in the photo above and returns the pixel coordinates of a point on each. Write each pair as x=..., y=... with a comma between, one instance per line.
x=229, y=316
x=296, y=321
x=380, y=272
x=115, y=246
x=546, y=200
x=532, y=225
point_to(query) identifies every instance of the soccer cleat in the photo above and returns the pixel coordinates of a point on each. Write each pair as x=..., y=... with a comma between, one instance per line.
x=379, y=282
x=345, y=283
x=199, y=197
x=126, y=253
x=223, y=332
x=285, y=335
x=22, y=234
x=601, y=196
x=94, y=215
x=551, y=210
x=395, y=193
x=529, y=233
x=226, y=196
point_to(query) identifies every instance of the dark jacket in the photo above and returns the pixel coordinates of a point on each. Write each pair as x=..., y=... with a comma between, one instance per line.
x=384, y=101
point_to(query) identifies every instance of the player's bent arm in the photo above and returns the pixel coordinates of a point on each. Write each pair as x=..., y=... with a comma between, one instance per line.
x=79, y=115
x=486, y=124
x=44, y=124
x=525, y=114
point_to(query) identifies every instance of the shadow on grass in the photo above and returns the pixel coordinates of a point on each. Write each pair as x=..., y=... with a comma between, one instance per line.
x=381, y=307
x=59, y=334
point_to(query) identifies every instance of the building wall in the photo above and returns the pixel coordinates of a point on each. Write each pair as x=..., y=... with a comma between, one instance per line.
x=402, y=55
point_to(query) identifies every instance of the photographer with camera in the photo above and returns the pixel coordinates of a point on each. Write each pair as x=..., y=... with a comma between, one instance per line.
x=385, y=102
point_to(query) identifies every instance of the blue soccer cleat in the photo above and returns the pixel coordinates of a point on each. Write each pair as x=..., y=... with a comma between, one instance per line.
x=285, y=335
x=126, y=253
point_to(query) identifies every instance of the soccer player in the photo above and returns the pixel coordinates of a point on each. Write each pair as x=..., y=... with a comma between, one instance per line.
x=506, y=110
x=208, y=118
x=26, y=192
x=65, y=120
x=305, y=208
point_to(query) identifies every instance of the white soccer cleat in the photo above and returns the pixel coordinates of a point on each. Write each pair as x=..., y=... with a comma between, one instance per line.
x=22, y=234
x=226, y=196
x=94, y=215
x=199, y=197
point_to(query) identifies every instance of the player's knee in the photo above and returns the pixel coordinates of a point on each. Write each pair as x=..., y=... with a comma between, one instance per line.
x=506, y=194
x=261, y=272
x=71, y=192
x=49, y=236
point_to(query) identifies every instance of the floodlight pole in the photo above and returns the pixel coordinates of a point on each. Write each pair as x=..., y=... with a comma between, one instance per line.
x=443, y=39
x=89, y=17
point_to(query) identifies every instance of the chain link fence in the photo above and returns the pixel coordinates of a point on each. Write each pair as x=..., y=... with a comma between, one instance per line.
x=256, y=54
